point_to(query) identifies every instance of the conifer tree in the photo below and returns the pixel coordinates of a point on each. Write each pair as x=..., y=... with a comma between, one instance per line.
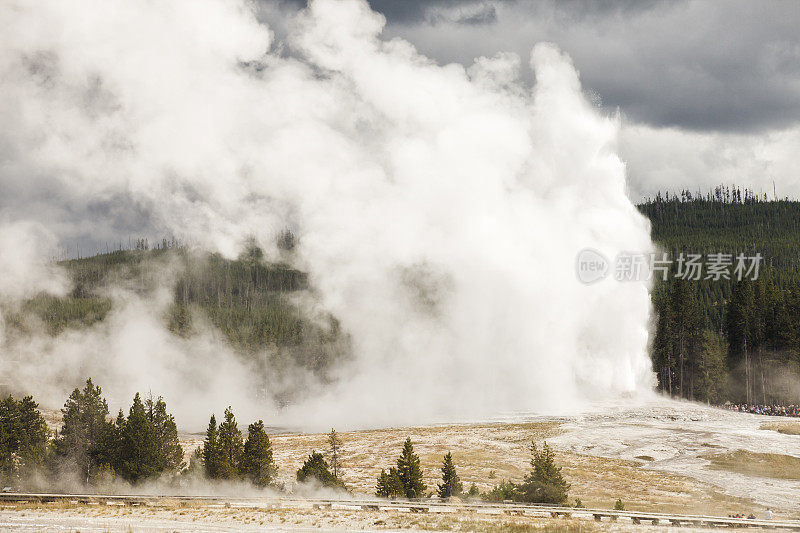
x=231, y=446
x=257, y=463
x=316, y=468
x=334, y=451
x=382, y=485
x=686, y=329
x=6, y=447
x=451, y=484
x=389, y=484
x=166, y=434
x=23, y=438
x=83, y=429
x=739, y=322
x=110, y=449
x=396, y=487
x=544, y=484
x=212, y=451
x=409, y=471
x=140, y=457
x=710, y=380
x=33, y=435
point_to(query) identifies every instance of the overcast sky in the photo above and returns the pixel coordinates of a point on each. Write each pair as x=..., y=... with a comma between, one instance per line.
x=709, y=92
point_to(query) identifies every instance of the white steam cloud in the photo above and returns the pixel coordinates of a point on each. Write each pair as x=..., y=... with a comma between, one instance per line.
x=439, y=210
x=26, y=262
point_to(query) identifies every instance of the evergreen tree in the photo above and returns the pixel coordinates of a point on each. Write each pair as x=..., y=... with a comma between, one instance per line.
x=396, y=487
x=334, y=451
x=83, y=430
x=316, y=468
x=711, y=372
x=382, y=486
x=686, y=332
x=739, y=322
x=257, y=463
x=409, y=471
x=231, y=446
x=389, y=484
x=451, y=484
x=662, y=346
x=23, y=438
x=213, y=456
x=166, y=434
x=34, y=435
x=678, y=340
x=544, y=484
x=140, y=456
x=110, y=449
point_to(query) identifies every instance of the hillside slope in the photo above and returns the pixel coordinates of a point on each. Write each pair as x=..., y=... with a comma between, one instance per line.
x=724, y=339
x=263, y=308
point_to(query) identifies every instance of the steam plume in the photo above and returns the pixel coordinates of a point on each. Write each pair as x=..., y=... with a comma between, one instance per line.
x=438, y=210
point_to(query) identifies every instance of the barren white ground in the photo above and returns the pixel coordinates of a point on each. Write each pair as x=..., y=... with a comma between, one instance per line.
x=677, y=434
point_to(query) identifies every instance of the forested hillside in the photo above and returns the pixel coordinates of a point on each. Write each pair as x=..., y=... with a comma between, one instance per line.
x=257, y=306
x=715, y=339
x=724, y=339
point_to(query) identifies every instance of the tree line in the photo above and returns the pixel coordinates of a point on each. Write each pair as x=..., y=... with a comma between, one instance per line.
x=253, y=303
x=753, y=358
x=90, y=445
x=728, y=340
x=144, y=446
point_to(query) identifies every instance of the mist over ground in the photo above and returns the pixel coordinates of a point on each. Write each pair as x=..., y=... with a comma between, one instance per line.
x=438, y=210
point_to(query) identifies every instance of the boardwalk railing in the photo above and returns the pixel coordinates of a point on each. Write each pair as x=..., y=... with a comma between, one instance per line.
x=418, y=505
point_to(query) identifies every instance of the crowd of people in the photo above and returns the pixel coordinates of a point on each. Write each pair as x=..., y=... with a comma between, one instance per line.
x=770, y=410
x=767, y=515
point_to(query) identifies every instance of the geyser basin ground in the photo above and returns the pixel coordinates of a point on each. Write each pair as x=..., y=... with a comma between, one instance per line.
x=658, y=455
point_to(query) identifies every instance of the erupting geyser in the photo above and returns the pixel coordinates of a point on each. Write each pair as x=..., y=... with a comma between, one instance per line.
x=439, y=210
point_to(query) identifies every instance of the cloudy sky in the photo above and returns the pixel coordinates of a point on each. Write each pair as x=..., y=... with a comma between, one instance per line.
x=709, y=92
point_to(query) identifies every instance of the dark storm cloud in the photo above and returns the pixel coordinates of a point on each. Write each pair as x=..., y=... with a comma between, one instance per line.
x=700, y=66
x=477, y=11
x=414, y=11
x=703, y=66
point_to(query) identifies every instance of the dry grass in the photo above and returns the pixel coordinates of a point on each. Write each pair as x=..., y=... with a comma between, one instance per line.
x=204, y=518
x=503, y=449
x=787, y=428
x=51, y=517
x=769, y=465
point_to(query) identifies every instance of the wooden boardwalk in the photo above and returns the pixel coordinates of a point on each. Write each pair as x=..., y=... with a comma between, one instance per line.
x=402, y=505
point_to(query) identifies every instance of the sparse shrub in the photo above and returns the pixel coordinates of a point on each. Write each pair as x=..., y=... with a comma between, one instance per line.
x=505, y=490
